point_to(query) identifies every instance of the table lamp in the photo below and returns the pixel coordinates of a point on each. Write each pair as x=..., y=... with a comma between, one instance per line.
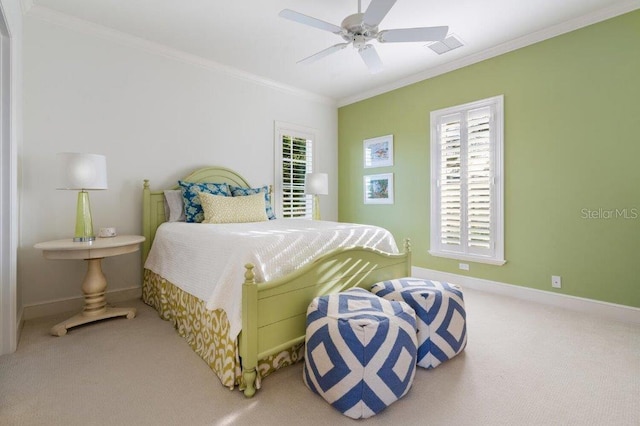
x=316, y=184
x=82, y=172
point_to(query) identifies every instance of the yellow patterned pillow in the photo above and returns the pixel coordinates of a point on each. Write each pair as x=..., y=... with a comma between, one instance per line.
x=220, y=209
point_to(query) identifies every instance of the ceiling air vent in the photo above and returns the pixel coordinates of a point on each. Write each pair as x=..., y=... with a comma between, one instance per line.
x=449, y=43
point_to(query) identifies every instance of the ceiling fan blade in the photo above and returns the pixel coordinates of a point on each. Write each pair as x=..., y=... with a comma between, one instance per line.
x=371, y=59
x=321, y=54
x=376, y=11
x=413, y=34
x=308, y=20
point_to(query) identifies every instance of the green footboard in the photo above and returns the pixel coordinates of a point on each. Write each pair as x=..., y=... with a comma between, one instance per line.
x=274, y=313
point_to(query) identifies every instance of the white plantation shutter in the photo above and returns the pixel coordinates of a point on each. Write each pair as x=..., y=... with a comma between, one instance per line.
x=294, y=160
x=478, y=180
x=297, y=160
x=466, y=191
x=450, y=181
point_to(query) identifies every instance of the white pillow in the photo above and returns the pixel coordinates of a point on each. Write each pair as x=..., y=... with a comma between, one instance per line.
x=219, y=209
x=174, y=206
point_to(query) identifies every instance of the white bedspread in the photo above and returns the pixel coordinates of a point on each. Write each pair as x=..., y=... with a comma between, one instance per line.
x=207, y=260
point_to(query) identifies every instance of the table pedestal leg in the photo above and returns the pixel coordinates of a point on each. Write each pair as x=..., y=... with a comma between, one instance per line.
x=94, y=287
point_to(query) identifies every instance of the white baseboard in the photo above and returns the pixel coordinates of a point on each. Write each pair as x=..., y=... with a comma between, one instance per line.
x=59, y=306
x=613, y=311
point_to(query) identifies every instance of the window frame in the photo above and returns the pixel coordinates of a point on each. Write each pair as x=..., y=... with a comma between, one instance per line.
x=495, y=255
x=287, y=129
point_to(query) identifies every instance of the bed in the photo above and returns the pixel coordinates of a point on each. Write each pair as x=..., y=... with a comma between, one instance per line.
x=271, y=308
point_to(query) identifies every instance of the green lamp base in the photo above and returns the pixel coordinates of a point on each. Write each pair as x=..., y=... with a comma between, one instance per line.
x=316, y=208
x=84, y=224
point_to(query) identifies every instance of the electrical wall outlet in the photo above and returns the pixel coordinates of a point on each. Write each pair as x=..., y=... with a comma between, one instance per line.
x=463, y=266
x=556, y=281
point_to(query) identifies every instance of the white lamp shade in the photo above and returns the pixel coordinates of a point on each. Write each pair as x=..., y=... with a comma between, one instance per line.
x=316, y=183
x=81, y=171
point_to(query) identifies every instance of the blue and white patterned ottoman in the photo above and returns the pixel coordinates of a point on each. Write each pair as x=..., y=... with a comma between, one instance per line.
x=440, y=313
x=360, y=353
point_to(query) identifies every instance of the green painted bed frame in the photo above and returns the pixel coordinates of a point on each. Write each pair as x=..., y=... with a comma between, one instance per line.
x=274, y=312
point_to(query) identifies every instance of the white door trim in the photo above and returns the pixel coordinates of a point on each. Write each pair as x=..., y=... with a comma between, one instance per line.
x=8, y=195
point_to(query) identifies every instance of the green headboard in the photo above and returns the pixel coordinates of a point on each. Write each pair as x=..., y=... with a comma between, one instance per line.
x=153, y=201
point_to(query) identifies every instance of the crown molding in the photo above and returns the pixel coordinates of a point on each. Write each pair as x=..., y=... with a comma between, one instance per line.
x=45, y=14
x=518, y=43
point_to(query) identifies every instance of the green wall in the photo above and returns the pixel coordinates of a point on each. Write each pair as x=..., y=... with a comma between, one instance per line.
x=572, y=148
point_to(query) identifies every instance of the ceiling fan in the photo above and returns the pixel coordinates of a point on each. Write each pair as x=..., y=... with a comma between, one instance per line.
x=361, y=28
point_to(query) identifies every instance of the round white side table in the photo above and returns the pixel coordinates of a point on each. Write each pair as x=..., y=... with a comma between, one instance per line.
x=94, y=285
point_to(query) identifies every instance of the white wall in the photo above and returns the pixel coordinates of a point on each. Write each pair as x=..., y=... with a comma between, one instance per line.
x=154, y=117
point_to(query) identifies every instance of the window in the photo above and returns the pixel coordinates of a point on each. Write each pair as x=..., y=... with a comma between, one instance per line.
x=467, y=183
x=294, y=159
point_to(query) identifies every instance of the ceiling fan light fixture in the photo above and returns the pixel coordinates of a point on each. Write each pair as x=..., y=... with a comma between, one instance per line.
x=359, y=42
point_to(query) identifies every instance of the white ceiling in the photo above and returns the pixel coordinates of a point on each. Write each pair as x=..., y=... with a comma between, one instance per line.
x=249, y=36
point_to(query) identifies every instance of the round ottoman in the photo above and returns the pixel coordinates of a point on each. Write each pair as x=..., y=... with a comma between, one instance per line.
x=440, y=313
x=360, y=352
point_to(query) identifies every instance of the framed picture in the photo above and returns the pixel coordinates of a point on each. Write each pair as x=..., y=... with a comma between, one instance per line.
x=378, y=152
x=378, y=189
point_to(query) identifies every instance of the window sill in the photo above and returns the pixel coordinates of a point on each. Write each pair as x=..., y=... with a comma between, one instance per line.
x=477, y=259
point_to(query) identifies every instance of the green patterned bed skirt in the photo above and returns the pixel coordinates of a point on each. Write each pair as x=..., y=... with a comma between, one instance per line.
x=207, y=332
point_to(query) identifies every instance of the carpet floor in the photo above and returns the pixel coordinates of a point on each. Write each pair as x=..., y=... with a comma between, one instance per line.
x=525, y=364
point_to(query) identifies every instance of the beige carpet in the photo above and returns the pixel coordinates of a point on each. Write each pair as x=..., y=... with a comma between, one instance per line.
x=525, y=364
